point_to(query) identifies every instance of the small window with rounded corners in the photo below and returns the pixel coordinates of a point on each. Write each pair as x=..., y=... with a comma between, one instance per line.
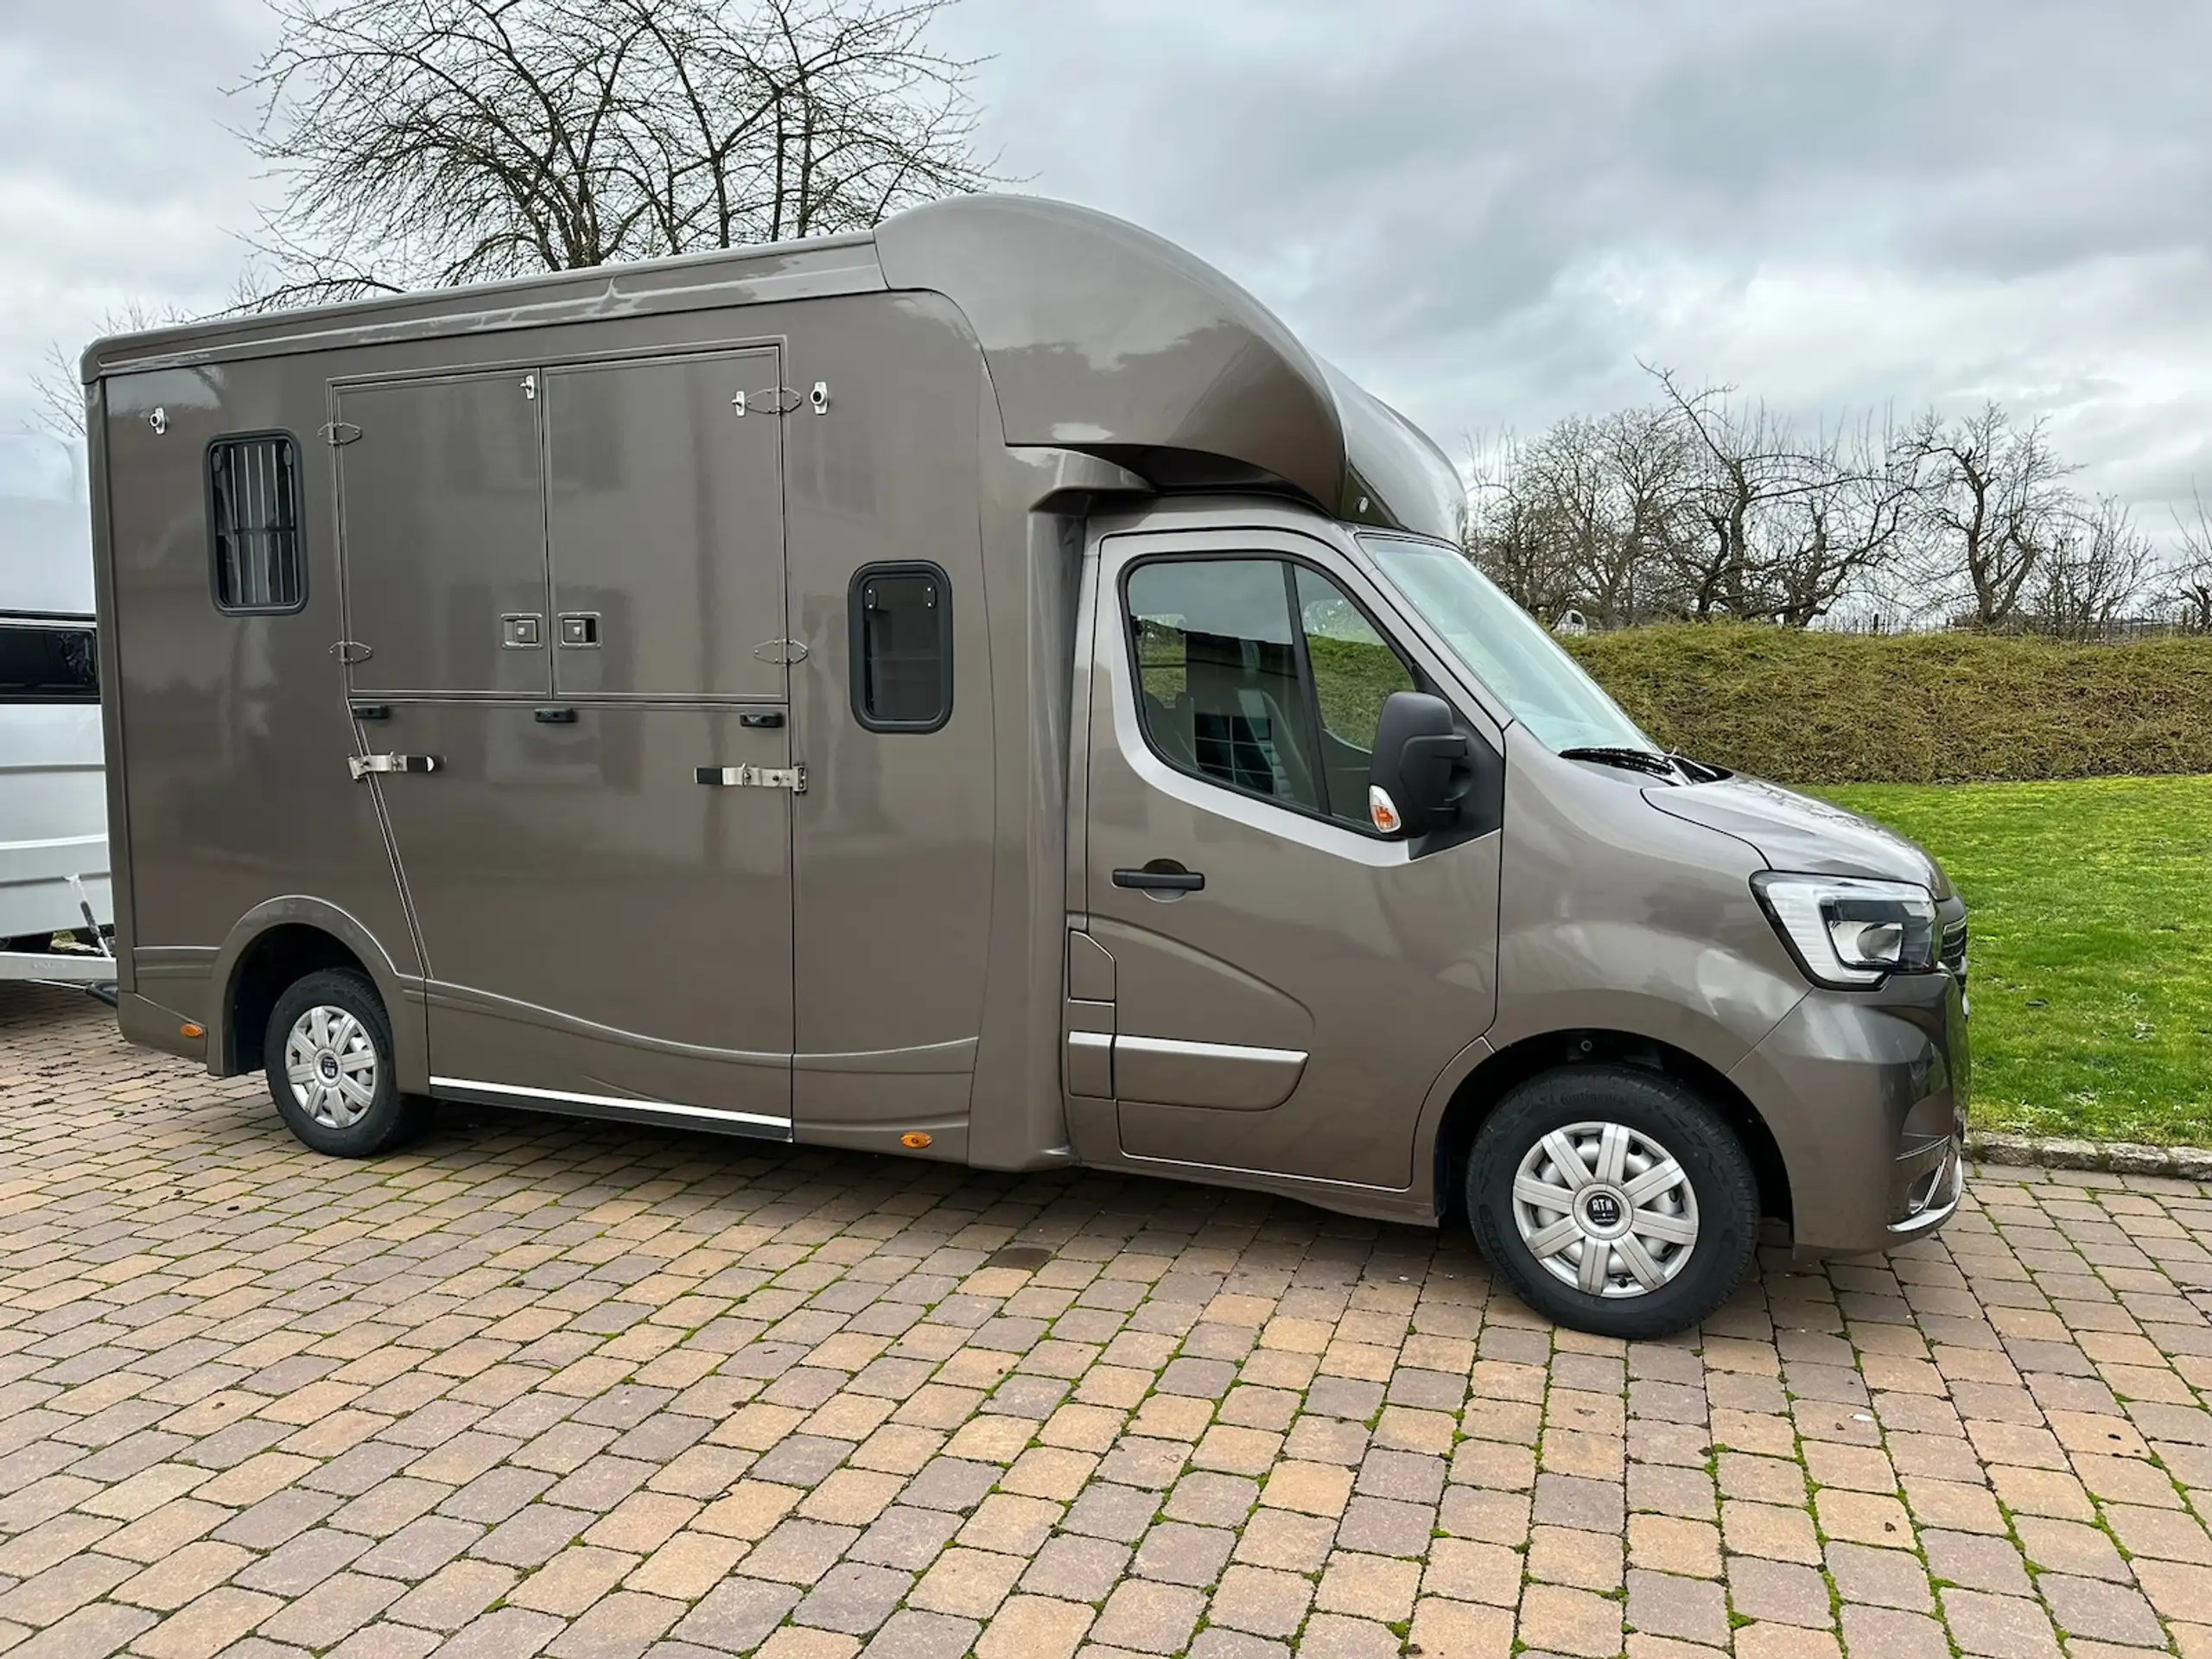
x=258, y=564
x=901, y=646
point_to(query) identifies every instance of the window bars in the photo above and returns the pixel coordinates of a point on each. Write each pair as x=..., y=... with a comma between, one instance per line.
x=253, y=520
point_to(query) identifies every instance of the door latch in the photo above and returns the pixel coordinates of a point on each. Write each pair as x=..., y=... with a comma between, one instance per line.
x=790, y=778
x=362, y=764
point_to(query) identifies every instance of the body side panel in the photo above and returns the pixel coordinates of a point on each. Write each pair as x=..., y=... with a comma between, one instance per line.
x=1033, y=546
x=230, y=732
x=893, y=839
x=1611, y=917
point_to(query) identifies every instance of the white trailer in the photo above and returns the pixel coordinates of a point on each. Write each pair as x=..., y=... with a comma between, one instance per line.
x=53, y=851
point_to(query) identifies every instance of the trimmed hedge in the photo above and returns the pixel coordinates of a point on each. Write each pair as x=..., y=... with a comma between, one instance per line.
x=1814, y=707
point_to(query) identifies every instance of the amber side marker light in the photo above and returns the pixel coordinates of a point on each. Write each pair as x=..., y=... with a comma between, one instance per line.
x=192, y=1031
x=914, y=1141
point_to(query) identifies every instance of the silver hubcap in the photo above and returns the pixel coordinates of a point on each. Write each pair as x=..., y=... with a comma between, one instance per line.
x=331, y=1065
x=1606, y=1209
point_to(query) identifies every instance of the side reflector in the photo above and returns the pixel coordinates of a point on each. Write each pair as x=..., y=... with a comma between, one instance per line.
x=1383, y=810
x=914, y=1142
x=192, y=1031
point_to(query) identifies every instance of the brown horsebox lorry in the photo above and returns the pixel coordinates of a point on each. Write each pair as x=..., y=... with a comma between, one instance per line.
x=979, y=690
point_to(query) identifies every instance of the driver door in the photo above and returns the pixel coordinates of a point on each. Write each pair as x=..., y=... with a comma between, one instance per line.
x=1287, y=983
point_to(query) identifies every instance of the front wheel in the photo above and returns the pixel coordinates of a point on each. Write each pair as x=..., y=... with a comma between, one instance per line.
x=1614, y=1199
x=330, y=1055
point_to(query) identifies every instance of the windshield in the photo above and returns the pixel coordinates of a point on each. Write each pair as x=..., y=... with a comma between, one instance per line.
x=1508, y=650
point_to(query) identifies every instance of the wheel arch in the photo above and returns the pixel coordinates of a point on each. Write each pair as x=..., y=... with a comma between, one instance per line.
x=275, y=944
x=1494, y=1075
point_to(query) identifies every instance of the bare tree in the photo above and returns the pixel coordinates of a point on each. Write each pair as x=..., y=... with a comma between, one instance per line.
x=421, y=143
x=1507, y=535
x=1653, y=469
x=2095, y=570
x=1748, y=465
x=60, y=395
x=1993, y=503
x=1569, y=496
x=1849, y=518
x=2193, y=577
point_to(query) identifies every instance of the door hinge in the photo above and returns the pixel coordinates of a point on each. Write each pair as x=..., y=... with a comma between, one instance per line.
x=351, y=651
x=362, y=764
x=337, y=432
x=790, y=778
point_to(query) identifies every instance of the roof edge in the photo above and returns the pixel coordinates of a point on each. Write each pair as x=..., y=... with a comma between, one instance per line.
x=733, y=277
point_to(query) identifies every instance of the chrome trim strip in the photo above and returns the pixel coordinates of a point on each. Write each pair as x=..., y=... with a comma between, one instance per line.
x=610, y=1103
x=1132, y=1159
x=1090, y=1040
x=1179, y=1049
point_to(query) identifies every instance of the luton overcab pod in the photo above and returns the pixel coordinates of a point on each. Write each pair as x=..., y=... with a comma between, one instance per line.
x=977, y=691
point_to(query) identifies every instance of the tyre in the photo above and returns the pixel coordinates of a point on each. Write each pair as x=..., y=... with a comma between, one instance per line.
x=1614, y=1199
x=330, y=1067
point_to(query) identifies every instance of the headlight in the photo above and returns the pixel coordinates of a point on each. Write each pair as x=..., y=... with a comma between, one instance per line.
x=1849, y=933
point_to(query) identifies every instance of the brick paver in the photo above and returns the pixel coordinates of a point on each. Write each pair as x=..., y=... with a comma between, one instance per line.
x=534, y=1386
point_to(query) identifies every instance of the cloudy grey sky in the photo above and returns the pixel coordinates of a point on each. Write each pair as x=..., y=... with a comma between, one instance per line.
x=1488, y=210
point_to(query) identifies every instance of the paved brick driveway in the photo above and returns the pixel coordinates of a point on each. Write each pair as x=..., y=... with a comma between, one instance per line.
x=545, y=1387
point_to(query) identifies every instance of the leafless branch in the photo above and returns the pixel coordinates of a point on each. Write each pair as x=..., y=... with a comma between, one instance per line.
x=423, y=142
x=60, y=395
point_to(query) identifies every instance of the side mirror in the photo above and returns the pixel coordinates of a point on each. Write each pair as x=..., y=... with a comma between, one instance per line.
x=1420, y=768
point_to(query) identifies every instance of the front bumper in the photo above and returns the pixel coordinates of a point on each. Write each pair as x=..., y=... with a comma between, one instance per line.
x=1865, y=1095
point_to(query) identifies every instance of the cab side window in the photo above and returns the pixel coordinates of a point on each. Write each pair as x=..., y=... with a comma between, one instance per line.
x=1261, y=676
x=1355, y=671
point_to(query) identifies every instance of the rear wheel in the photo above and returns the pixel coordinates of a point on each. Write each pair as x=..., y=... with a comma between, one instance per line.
x=330, y=1066
x=1614, y=1199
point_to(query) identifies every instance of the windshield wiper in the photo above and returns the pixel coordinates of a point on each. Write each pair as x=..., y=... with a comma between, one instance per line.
x=1650, y=760
x=1699, y=772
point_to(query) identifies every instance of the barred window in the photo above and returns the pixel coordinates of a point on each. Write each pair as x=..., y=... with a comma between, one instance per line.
x=253, y=524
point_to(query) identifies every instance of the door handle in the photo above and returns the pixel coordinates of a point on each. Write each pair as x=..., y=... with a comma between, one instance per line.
x=762, y=718
x=554, y=716
x=1161, y=875
x=362, y=764
x=372, y=711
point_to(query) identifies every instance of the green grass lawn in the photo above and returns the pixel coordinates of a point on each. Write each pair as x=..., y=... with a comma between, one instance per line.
x=2091, y=966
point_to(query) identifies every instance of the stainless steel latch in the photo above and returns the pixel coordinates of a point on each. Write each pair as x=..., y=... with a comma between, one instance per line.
x=790, y=778
x=362, y=764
